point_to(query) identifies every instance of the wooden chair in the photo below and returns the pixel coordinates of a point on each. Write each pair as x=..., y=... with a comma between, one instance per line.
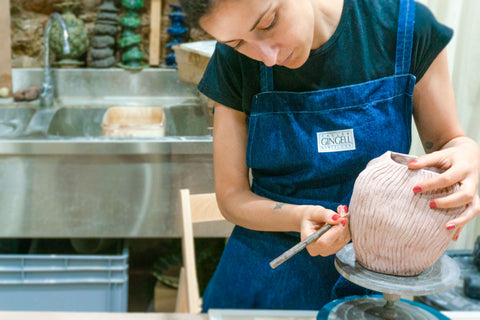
x=196, y=209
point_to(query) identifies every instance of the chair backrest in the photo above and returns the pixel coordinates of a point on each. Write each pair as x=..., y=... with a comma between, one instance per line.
x=195, y=208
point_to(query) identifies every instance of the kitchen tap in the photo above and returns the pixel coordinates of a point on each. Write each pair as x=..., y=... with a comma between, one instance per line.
x=46, y=93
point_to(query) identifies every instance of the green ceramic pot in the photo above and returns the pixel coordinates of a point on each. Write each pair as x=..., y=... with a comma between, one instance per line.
x=77, y=35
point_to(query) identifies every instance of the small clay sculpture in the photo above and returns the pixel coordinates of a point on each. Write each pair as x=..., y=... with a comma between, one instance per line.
x=102, y=52
x=29, y=94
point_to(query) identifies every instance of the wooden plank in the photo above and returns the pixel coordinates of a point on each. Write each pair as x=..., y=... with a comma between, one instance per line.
x=204, y=208
x=164, y=298
x=188, y=248
x=5, y=48
x=155, y=24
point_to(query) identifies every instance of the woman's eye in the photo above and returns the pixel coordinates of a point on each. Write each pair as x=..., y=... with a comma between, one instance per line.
x=272, y=24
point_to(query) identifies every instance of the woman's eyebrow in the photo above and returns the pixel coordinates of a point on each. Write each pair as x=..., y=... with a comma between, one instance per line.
x=261, y=16
x=254, y=26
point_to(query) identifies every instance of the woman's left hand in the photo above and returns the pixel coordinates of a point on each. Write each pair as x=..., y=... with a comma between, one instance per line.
x=460, y=158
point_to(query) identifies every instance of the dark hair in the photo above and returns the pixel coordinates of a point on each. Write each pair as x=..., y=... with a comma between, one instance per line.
x=195, y=9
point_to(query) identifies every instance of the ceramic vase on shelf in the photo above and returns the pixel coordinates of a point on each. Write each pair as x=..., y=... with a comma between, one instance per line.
x=394, y=230
x=132, y=56
x=176, y=31
x=102, y=52
x=77, y=37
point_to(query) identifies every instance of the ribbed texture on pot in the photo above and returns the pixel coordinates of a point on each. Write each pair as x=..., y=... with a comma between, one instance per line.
x=394, y=231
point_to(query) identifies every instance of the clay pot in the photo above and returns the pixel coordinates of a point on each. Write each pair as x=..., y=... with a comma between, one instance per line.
x=394, y=231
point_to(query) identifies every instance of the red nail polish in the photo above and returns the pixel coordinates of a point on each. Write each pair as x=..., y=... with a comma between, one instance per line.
x=433, y=204
x=456, y=238
x=344, y=222
x=417, y=189
x=450, y=226
x=335, y=217
x=345, y=209
x=413, y=162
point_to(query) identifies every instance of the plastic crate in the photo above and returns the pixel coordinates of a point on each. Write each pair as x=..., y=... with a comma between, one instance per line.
x=50, y=282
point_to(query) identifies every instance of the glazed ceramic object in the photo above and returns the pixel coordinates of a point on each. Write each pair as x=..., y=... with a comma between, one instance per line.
x=394, y=231
x=77, y=36
x=132, y=56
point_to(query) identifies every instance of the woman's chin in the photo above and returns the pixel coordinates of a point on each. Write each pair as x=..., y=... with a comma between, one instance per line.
x=296, y=63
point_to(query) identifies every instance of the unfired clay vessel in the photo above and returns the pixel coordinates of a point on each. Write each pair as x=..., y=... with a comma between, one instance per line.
x=394, y=231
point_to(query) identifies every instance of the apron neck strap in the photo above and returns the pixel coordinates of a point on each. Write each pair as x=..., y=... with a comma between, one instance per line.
x=266, y=78
x=406, y=22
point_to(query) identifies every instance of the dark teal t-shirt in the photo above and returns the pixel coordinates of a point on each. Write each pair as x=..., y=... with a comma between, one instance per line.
x=361, y=49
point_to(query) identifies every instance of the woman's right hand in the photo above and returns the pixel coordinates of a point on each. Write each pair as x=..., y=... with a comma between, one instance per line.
x=334, y=239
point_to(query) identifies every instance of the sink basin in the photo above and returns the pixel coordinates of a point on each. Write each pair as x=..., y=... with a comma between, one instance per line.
x=182, y=120
x=60, y=178
x=76, y=122
x=14, y=120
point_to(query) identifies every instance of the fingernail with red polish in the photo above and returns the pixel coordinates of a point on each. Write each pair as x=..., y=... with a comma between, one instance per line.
x=345, y=209
x=450, y=226
x=433, y=204
x=344, y=221
x=413, y=162
x=335, y=217
x=456, y=238
x=417, y=189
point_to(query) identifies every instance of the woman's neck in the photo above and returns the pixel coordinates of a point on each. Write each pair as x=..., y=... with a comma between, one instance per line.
x=327, y=18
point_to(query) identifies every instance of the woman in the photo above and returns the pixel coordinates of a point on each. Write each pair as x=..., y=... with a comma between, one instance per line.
x=307, y=92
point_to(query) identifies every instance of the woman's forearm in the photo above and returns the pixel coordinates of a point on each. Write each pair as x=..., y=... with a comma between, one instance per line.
x=251, y=211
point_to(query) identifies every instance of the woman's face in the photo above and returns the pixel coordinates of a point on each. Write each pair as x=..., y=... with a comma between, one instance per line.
x=277, y=32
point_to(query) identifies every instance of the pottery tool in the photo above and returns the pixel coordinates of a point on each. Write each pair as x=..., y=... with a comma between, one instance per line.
x=301, y=245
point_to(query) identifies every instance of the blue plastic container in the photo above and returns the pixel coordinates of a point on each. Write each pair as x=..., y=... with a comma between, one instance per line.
x=39, y=282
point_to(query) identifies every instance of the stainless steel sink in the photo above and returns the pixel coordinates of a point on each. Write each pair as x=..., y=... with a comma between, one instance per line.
x=14, y=121
x=182, y=120
x=60, y=178
x=76, y=122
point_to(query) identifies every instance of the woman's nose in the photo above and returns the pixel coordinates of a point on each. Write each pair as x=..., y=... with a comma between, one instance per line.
x=268, y=53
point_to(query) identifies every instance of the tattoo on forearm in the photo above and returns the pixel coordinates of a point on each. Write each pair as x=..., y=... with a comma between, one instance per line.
x=428, y=145
x=278, y=206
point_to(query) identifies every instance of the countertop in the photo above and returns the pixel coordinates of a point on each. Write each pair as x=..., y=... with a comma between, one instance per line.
x=21, y=315
x=40, y=315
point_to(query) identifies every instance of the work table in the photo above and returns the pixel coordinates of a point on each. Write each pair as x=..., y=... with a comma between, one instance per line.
x=37, y=315
x=21, y=315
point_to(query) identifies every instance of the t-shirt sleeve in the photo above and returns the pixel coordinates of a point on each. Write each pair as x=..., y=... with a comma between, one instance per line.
x=221, y=81
x=430, y=38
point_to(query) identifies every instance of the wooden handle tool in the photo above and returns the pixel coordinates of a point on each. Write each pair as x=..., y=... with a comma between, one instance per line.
x=300, y=246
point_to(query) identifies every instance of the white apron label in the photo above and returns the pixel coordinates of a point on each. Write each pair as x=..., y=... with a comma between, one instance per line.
x=333, y=141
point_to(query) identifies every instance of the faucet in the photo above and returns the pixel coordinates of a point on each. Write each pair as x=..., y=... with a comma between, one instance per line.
x=46, y=94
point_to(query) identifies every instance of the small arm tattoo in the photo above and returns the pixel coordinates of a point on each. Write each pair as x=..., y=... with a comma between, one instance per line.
x=428, y=145
x=278, y=206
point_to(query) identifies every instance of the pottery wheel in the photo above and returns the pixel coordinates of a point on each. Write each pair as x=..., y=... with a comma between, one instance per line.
x=439, y=277
x=375, y=308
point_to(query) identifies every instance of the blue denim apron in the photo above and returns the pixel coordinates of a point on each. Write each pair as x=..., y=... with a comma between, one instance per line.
x=308, y=148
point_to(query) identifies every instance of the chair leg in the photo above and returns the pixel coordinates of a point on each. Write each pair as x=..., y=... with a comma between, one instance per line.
x=181, y=304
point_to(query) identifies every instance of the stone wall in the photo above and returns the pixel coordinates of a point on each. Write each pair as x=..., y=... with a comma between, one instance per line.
x=28, y=19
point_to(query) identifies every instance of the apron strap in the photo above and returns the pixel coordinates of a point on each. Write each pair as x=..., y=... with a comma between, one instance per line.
x=266, y=78
x=406, y=22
